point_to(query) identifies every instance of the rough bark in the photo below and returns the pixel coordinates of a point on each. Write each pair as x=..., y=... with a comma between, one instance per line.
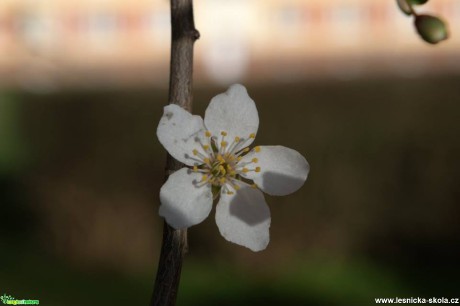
x=174, y=244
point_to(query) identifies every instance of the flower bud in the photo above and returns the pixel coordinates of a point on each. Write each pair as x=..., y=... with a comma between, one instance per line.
x=431, y=29
x=404, y=7
x=417, y=2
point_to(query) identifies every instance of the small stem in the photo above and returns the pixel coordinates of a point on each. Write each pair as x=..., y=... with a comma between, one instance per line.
x=174, y=244
x=412, y=11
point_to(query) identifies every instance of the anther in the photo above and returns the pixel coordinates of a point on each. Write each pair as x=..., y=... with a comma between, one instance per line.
x=204, y=178
x=245, y=170
x=257, y=149
x=207, y=133
x=206, y=160
x=257, y=169
x=230, y=192
x=220, y=158
x=253, y=135
x=195, y=152
x=224, y=144
x=237, y=139
x=195, y=168
x=206, y=147
x=255, y=160
x=223, y=133
x=222, y=180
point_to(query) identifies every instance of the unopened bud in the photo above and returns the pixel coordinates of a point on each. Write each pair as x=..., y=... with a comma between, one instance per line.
x=431, y=29
x=404, y=7
x=417, y=2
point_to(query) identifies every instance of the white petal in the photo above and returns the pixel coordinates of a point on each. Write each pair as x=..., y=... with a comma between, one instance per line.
x=180, y=133
x=233, y=112
x=183, y=203
x=244, y=218
x=282, y=170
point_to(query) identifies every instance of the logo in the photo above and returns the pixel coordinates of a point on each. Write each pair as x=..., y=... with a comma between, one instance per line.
x=9, y=300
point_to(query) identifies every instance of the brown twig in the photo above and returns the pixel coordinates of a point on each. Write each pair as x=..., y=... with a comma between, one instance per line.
x=174, y=243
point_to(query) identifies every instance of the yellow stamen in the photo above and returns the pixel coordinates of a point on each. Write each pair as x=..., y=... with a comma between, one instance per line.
x=195, y=152
x=237, y=139
x=257, y=169
x=232, y=173
x=252, y=136
x=257, y=149
x=222, y=170
x=204, y=178
x=223, y=133
x=206, y=160
x=206, y=147
x=224, y=144
x=222, y=180
x=195, y=168
x=254, y=186
x=255, y=160
x=208, y=134
x=236, y=187
x=230, y=192
x=239, y=158
x=245, y=170
x=246, y=150
x=220, y=158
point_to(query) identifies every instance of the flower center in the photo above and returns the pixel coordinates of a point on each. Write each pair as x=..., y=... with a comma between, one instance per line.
x=220, y=162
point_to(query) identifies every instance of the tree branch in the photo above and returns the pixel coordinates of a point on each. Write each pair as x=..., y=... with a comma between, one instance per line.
x=174, y=244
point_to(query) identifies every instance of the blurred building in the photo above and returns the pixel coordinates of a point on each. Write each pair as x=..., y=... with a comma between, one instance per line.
x=50, y=44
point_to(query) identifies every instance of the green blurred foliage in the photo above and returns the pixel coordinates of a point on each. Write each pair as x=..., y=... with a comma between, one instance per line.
x=377, y=217
x=13, y=153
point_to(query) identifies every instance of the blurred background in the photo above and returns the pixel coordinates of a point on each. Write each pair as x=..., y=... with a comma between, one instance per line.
x=349, y=84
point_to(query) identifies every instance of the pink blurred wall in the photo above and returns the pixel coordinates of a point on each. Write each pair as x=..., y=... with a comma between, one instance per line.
x=51, y=44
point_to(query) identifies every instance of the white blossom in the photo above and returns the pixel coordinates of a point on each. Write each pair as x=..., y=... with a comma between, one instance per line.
x=220, y=165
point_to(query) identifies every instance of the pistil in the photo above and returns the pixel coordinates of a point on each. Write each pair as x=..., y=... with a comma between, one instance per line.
x=220, y=163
